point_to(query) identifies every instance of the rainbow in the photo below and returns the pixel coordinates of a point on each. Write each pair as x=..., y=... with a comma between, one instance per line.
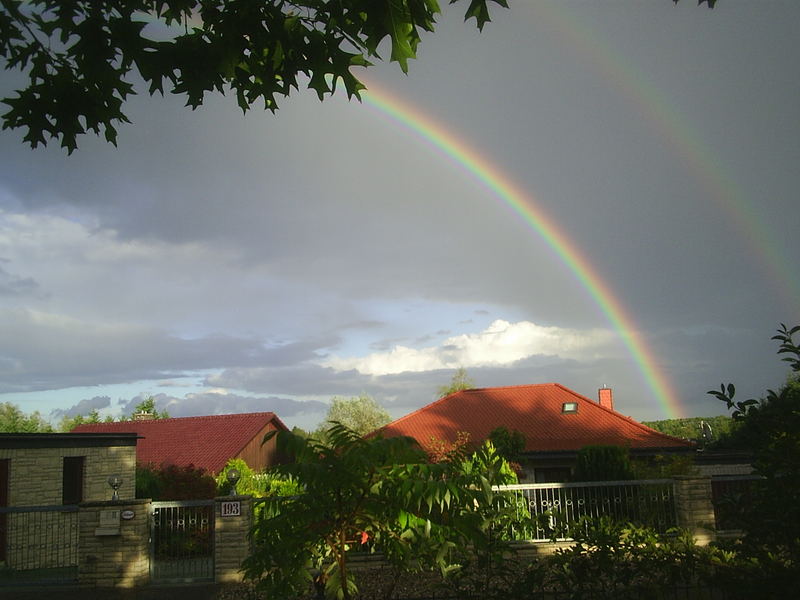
x=524, y=206
x=717, y=180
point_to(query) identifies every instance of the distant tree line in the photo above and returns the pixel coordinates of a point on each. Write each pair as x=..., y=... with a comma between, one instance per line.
x=690, y=428
x=14, y=420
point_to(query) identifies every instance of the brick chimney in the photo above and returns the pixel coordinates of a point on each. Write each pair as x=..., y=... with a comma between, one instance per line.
x=605, y=396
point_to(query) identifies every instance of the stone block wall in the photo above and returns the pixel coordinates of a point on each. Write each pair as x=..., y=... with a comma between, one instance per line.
x=231, y=543
x=114, y=559
x=694, y=507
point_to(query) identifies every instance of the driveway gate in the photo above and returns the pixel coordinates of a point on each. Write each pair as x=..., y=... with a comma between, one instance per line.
x=182, y=541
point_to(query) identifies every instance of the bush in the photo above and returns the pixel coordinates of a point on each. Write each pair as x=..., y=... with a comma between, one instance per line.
x=250, y=483
x=612, y=560
x=171, y=482
x=603, y=463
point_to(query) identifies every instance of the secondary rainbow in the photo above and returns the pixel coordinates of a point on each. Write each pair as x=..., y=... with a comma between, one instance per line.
x=523, y=205
x=620, y=73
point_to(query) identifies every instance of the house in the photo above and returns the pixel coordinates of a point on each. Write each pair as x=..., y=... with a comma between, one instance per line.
x=207, y=442
x=556, y=422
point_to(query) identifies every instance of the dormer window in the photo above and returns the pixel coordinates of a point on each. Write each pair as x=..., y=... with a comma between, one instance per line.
x=569, y=407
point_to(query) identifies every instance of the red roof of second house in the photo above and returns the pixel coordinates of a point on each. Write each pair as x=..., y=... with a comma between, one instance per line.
x=206, y=442
x=537, y=411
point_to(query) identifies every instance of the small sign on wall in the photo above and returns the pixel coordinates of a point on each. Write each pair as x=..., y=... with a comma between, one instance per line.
x=109, y=523
x=231, y=509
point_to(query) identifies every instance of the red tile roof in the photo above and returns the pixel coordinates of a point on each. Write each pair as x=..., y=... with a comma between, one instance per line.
x=534, y=410
x=206, y=442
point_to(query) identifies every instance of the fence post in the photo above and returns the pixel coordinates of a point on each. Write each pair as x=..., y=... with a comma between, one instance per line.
x=232, y=521
x=694, y=507
x=114, y=543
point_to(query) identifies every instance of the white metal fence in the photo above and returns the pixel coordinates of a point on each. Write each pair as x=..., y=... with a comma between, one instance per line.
x=545, y=510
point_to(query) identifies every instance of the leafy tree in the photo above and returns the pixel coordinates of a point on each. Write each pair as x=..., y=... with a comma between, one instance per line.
x=80, y=58
x=70, y=423
x=460, y=381
x=377, y=493
x=770, y=428
x=146, y=406
x=13, y=420
x=361, y=413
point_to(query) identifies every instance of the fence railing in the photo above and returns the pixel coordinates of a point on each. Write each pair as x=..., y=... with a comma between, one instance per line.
x=41, y=544
x=545, y=509
x=732, y=498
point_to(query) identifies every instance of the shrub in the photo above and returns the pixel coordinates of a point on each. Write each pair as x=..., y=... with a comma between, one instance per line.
x=603, y=463
x=255, y=484
x=171, y=482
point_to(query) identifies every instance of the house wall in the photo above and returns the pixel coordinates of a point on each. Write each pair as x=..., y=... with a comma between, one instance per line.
x=36, y=474
x=260, y=457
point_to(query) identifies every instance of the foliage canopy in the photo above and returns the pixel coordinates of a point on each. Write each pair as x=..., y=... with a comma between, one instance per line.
x=13, y=420
x=770, y=428
x=375, y=493
x=459, y=381
x=80, y=58
x=361, y=413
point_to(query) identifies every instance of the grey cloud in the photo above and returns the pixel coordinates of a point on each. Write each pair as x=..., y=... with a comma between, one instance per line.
x=404, y=392
x=298, y=233
x=212, y=403
x=13, y=285
x=84, y=407
x=48, y=351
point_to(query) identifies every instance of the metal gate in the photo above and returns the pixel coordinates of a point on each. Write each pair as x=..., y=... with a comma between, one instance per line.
x=182, y=541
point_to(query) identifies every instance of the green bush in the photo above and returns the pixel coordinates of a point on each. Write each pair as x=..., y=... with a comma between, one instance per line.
x=171, y=482
x=603, y=463
x=250, y=483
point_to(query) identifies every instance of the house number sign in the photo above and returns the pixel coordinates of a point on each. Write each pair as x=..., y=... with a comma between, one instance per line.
x=231, y=509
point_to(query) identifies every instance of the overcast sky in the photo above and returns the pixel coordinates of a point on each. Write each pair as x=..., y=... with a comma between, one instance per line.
x=230, y=263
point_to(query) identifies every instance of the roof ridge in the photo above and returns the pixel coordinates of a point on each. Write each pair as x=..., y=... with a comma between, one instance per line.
x=626, y=418
x=196, y=417
x=450, y=395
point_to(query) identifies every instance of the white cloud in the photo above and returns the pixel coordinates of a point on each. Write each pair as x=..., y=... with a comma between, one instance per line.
x=502, y=343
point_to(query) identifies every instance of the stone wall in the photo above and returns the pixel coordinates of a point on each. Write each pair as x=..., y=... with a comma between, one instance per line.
x=231, y=543
x=114, y=551
x=36, y=474
x=695, y=510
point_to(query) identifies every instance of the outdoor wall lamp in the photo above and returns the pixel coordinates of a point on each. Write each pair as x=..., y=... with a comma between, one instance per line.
x=115, y=481
x=233, y=478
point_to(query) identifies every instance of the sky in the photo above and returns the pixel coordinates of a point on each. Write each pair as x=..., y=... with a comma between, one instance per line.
x=593, y=194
